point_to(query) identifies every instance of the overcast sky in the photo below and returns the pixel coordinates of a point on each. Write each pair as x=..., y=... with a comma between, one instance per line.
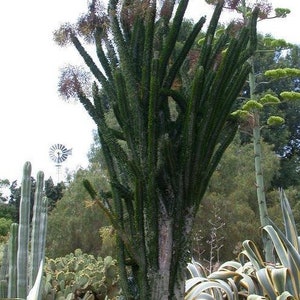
x=32, y=116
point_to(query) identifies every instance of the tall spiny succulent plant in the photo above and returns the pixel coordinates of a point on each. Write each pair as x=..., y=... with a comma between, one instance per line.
x=13, y=249
x=38, y=236
x=23, y=233
x=159, y=166
x=24, y=261
x=3, y=273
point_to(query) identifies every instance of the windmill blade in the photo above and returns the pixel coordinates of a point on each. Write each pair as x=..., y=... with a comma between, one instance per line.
x=59, y=153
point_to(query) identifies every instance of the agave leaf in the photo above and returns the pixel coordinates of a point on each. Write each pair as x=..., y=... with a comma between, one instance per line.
x=256, y=297
x=264, y=278
x=279, y=245
x=203, y=296
x=215, y=289
x=194, y=281
x=293, y=285
x=289, y=221
x=288, y=258
x=285, y=296
x=230, y=265
x=251, y=252
x=250, y=284
x=223, y=275
x=279, y=278
x=295, y=255
x=234, y=285
x=195, y=269
x=281, y=281
x=292, y=260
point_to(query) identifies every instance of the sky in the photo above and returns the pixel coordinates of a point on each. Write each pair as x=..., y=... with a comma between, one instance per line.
x=32, y=115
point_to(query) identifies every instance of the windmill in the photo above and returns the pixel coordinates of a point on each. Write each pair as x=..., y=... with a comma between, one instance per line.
x=59, y=153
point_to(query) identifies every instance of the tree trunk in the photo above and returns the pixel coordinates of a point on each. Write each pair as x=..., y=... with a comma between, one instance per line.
x=163, y=284
x=161, y=280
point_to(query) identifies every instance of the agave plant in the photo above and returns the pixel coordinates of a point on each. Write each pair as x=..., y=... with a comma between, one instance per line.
x=280, y=280
x=231, y=281
x=251, y=277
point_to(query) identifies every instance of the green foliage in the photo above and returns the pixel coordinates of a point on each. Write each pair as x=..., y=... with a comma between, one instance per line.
x=4, y=228
x=232, y=190
x=8, y=211
x=282, y=12
x=53, y=192
x=78, y=274
x=76, y=220
x=109, y=242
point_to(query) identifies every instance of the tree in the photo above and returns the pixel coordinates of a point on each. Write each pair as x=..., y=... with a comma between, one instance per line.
x=159, y=164
x=53, y=192
x=4, y=183
x=7, y=211
x=75, y=220
x=231, y=190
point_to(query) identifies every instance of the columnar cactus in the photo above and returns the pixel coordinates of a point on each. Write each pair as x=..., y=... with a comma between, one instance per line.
x=23, y=234
x=12, y=273
x=24, y=264
x=38, y=229
x=3, y=273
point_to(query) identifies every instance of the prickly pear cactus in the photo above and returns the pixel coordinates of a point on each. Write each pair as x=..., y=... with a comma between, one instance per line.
x=80, y=275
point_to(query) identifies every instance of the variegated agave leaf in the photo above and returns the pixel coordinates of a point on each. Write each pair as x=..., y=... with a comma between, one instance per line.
x=230, y=281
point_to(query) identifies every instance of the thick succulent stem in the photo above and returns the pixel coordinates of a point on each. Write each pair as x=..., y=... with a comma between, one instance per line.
x=12, y=271
x=35, y=254
x=3, y=273
x=23, y=236
x=25, y=260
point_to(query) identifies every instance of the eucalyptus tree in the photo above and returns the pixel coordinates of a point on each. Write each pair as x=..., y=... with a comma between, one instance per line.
x=159, y=160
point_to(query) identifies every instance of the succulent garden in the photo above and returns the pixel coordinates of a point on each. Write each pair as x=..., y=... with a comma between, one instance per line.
x=193, y=187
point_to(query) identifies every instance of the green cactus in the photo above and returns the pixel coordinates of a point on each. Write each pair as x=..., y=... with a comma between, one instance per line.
x=3, y=272
x=23, y=234
x=13, y=248
x=24, y=264
x=38, y=229
x=80, y=274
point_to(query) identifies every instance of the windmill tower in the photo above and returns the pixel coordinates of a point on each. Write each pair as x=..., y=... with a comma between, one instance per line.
x=59, y=153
